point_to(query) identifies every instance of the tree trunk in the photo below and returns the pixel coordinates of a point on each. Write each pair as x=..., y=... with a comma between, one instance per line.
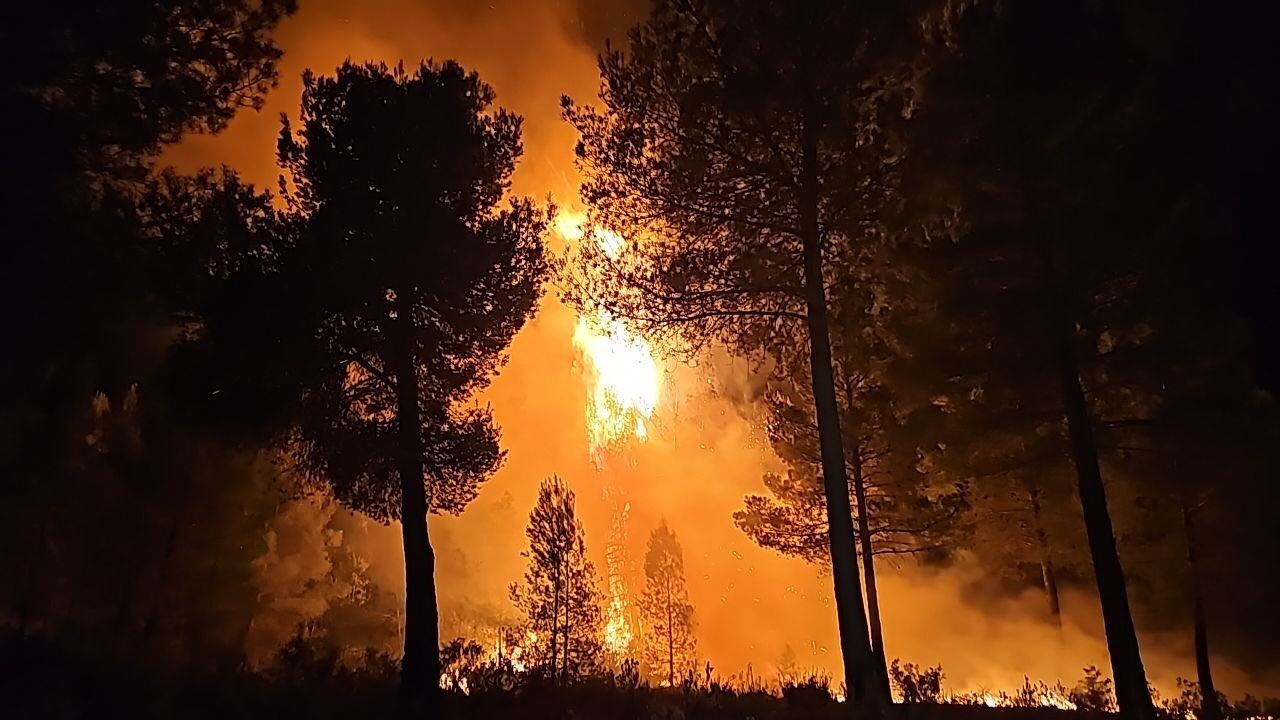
x=861, y=684
x=124, y=611
x=554, y=616
x=420, y=667
x=869, y=568
x=1047, y=575
x=555, y=623
x=568, y=618
x=671, y=641
x=1209, y=707
x=1132, y=692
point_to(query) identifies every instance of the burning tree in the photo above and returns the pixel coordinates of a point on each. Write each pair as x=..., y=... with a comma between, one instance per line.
x=559, y=594
x=624, y=380
x=619, y=625
x=743, y=149
x=665, y=611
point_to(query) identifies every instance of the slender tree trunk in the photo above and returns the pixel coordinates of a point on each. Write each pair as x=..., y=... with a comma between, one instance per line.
x=671, y=642
x=869, y=568
x=555, y=623
x=420, y=667
x=162, y=581
x=1050, y=581
x=1132, y=692
x=1209, y=707
x=861, y=683
x=568, y=618
x=1047, y=575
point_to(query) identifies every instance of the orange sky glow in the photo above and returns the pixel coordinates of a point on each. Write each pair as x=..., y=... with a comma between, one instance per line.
x=701, y=448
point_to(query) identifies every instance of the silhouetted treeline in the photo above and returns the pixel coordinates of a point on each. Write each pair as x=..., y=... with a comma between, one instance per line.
x=1009, y=265
x=122, y=524
x=1017, y=225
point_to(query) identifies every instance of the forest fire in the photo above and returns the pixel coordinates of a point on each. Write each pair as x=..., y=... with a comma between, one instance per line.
x=619, y=629
x=508, y=648
x=301, y=343
x=623, y=389
x=625, y=378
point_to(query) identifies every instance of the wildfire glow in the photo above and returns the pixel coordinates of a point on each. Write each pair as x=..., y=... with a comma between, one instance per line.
x=569, y=226
x=618, y=632
x=624, y=373
x=624, y=391
x=1029, y=695
x=508, y=649
x=622, y=395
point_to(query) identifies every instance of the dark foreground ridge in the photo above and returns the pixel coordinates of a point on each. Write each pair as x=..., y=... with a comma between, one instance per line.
x=40, y=679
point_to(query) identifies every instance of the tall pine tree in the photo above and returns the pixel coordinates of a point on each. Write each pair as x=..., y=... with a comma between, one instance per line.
x=744, y=148
x=388, y=304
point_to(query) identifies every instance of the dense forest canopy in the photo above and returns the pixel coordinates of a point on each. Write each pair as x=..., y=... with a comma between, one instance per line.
x=658, y=357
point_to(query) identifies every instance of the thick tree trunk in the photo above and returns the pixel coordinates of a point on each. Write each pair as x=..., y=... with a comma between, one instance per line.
x=1132, y=692
x=862, y=686
x=1047, y=576
x=869, y=569
x=1209, y=707
x=420, y=667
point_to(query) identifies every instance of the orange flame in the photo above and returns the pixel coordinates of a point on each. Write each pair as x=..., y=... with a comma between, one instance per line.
x=625, y=378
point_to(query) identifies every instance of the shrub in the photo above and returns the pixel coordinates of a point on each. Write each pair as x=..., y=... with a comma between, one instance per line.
x=915, y=684
x=809, y=693
x=1094, y=692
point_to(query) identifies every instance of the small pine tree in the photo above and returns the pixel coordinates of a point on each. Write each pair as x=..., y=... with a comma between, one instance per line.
x=666, y=613
x=560, y=595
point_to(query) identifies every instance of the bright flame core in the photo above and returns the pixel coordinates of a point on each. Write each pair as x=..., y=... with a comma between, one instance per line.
x=622, y=395
x=618, y=632
x=624, y=389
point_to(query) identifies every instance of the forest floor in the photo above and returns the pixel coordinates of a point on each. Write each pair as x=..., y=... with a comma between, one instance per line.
x=37, y=680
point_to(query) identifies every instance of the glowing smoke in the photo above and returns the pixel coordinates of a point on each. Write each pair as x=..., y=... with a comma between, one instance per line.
x=692, y=467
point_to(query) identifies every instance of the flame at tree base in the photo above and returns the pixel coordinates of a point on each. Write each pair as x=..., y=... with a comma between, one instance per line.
x=618, y=628
x=623, y=387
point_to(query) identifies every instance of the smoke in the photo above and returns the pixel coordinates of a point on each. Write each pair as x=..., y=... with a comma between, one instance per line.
x=704, y=452
x=291, y=576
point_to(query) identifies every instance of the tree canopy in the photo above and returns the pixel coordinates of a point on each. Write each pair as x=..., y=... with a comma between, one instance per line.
x=560, y=594
x=401, y=274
